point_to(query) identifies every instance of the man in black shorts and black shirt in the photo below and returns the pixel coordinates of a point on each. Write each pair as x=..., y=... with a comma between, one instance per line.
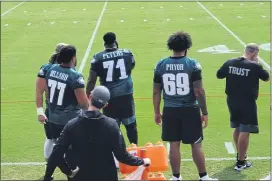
x=242, y=86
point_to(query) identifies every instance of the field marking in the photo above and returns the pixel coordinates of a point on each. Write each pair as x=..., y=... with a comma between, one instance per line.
x=229, y=147
x=88, y=50
x=233, y=34
x=12, y=8
x=183, y=160
x=137, y=98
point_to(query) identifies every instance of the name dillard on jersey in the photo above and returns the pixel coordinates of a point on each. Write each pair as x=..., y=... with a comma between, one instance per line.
x=238, y=71
x=59, y=75
x=112, y=54
x=174, y=67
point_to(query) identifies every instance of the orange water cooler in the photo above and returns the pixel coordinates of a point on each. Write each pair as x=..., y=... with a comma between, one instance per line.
x=159, y=160
x=135, y=151
x=158, y=155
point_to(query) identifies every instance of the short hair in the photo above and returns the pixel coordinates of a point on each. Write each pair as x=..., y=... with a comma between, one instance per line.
x=109, y=38
x=179, y=41
x=97, y=104
x=252, y=48
x=66, y=54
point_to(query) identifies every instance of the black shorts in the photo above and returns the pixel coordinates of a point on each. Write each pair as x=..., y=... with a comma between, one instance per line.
x=121, y=108
x=243, y=114
x=182, y=124
x=52, y=131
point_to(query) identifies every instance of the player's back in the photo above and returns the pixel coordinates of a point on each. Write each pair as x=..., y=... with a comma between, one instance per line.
x=114, y=67
x=61, y=82
x=177, y=75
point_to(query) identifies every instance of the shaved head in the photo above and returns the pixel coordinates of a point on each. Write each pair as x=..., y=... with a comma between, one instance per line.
x=252, y=51
x=252, y=48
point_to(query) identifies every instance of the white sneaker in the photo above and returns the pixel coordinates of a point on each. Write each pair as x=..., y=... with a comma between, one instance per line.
x=175, y=178
x=207, y=178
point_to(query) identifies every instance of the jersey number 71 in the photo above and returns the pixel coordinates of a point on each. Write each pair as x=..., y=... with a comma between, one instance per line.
x=110, y=66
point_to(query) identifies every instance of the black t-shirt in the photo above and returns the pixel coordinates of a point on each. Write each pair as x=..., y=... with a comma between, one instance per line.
x=242, y=77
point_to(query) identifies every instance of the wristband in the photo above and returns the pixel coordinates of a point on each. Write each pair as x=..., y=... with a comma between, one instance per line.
x=40, y=111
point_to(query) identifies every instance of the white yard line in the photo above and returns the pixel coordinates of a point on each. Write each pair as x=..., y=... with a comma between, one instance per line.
x=229, y=147
x=233, y=34
x=183, y=160
x=12, y=9
x=88, y=50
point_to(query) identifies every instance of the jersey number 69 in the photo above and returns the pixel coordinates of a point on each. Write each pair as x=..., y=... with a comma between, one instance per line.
x=176, y=84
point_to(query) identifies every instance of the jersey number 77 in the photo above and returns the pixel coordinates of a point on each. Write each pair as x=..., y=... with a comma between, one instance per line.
x=110, y=65
x=60, y=86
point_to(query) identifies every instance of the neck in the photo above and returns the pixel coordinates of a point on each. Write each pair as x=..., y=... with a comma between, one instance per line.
x=246, y=56
x=92, y=108
x=67, y=64
x=178, y=54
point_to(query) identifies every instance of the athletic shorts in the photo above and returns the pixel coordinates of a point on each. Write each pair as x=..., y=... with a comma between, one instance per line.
x=182, y=124
x=122, y=109
x=243, y=114
x=52, y=131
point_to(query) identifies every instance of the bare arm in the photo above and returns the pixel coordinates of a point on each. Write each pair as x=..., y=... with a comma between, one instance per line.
x=200, y=96
x=82, y=99
x=40, y=89
x=156, y=97
x=91, y=82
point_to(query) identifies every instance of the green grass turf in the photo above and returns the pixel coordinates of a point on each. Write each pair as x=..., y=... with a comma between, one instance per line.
x=24, y=48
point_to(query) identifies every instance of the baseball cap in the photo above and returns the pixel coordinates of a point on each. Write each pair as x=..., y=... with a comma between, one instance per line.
x=59, y=46
x=100, y=95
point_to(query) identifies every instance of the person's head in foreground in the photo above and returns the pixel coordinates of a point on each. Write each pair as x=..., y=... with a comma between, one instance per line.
x=53, y=58
x=67, y=56
x=252, y=51
x=99, y=97
x=110, y=40
x=179, y=43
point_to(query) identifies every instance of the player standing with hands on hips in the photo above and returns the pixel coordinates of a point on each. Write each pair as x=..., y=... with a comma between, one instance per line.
x=181, y=81
x=242, y=88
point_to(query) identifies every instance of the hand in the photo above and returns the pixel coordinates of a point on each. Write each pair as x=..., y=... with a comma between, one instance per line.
x=74, y=172
x=204, y=119
x=158, y=119
x=42, y=119
x=147, y=162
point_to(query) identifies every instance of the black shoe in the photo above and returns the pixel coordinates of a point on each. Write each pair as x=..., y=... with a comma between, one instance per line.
x=243, y=167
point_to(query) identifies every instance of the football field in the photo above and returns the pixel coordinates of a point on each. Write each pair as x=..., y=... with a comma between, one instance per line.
x=219, y=30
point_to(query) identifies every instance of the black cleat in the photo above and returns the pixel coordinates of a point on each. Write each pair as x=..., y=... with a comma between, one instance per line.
x=243, y=167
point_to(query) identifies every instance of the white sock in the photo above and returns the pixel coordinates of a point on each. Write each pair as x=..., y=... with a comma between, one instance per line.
x=48, y=148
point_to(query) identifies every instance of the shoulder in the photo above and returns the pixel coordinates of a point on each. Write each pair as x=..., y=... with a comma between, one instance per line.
x=194, y=63
x=43, y=69
x=161, y=62
x=97, y=57
x=110, y=122
x=126, y=51
x=77, y=76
